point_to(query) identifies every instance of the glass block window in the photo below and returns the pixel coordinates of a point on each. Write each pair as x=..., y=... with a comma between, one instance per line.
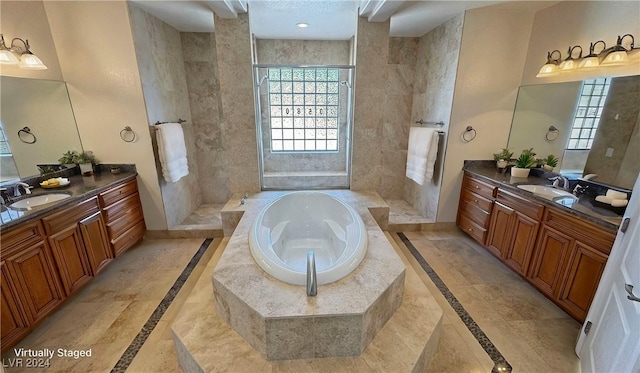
x=304, y=106
x=590, y=105
x=4, y=144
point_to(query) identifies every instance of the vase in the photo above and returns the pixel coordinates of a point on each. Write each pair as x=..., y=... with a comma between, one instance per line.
x=546, y=167
x=502, y=163
x=86, y=169
x=520, y=172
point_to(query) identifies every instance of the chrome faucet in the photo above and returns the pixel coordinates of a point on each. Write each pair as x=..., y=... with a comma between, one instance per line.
x=16, y=189
x=556, y=182
x=244, y=198
x=312, y=285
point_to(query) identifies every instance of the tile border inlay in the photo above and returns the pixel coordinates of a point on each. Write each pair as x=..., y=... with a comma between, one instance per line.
x=139, y=340
x=501, y=364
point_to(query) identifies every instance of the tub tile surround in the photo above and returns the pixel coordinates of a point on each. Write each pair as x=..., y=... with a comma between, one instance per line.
x=256, y=305
x=385, y=330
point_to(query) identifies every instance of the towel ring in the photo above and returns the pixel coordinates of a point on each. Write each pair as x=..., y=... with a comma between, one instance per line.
x=127, y=138
x=471, y=131
x=552, y=133
x=26, y=132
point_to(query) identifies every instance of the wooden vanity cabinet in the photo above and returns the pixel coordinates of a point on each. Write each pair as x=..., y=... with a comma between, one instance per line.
x=514, y=226
x=79, y=243
x=30, y=284
x=569, y=260
x=560, y=254
x=123, y=215
x=474, y=210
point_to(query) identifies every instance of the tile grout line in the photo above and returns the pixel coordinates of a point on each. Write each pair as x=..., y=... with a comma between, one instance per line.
x=501, y=364
x=130, y=353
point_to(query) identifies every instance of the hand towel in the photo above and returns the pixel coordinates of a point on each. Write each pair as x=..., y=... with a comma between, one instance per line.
x=619, y=202
x=172, y=151
x=422, y=153
x=615, y=194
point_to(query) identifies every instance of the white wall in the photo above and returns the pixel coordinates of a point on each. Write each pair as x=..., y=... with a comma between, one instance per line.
x=492, y=55
x=572, y=23
x=28, y=20
x=97, y=58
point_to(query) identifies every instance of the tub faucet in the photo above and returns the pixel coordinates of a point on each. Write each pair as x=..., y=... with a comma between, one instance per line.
x=312, y=285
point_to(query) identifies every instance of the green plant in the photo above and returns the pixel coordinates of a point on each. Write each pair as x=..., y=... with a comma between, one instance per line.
x=551, y=160
x=68, y=157
x=86, y=157
x=505, y=155
x=527, y=159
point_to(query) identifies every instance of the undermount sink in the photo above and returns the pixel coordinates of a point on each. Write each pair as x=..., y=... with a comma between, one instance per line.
x=39, y=200
x=548, y=192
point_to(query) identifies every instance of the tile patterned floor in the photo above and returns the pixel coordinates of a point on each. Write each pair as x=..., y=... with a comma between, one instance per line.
x=532, y=333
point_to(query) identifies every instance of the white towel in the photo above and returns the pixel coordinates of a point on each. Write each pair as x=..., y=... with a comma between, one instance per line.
x=422, y=153
x=172, y=151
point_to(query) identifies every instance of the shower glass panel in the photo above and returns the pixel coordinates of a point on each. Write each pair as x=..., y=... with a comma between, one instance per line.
x=304, y=116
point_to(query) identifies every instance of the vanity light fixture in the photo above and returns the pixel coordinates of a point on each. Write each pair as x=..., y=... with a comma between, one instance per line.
x=592, y=60
x=28, y=60
x=570, y=63
x=302, y=24
x=551, y=67
x=618, y=55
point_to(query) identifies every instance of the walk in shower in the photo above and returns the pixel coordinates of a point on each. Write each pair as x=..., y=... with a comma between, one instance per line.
x=304, y=116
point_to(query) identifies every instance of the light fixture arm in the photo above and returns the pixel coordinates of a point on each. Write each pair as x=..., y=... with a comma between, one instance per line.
x=592, y=48
x=552, y=60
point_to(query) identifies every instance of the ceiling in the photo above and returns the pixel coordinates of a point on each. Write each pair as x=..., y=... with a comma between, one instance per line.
x=327, y=19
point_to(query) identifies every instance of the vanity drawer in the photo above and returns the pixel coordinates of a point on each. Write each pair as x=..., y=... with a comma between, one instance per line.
x=114, y=195
x=129, y=238
x=476, y=200
x=116, y=227
x=61, y=220
x=21, y=235
x=479, y=187
x=477, y=232
x=522, y=205
x=476, y=214
x=597, y=237
x=122, y=207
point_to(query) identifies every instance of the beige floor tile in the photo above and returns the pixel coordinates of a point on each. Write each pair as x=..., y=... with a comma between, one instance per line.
x=453, y=356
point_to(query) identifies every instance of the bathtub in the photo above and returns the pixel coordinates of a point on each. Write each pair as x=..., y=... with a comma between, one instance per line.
x=298, y=222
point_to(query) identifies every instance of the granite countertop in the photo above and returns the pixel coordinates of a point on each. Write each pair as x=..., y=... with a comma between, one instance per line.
x=80, y=188
x=582, y=208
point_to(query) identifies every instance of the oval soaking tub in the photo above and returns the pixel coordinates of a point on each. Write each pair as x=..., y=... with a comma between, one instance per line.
x=298, y=222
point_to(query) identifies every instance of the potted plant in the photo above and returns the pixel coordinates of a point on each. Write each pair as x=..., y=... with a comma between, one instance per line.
x=550, y=162
x=115, y=169
x=86, y=160
x=524, y=163
x=503, y=157
x=68, y=159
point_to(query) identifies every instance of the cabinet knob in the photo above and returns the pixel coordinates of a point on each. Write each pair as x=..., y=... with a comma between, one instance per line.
x=477, y=187
x=475, y=200
x=470, y=229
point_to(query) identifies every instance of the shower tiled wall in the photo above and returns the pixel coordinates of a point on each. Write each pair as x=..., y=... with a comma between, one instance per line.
x=436, y=65
x=164, y=85
x=238, y=122
x=200, y=64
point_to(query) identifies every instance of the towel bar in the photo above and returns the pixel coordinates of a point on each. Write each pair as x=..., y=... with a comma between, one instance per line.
x=440, y=123
x=180, y=120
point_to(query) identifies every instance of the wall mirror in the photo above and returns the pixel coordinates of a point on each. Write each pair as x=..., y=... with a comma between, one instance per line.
x=592, y=126
x=44, y=108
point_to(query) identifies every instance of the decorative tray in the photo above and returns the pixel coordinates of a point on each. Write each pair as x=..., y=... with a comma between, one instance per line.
x=58, y=184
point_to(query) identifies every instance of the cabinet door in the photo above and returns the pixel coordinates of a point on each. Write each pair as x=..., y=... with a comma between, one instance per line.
x=14, y=319
x=94, y=236
x=71, y=258
x=33, y=273
x=550, y=259
x=585, y=268
x=500, y=229
x=521, y=245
